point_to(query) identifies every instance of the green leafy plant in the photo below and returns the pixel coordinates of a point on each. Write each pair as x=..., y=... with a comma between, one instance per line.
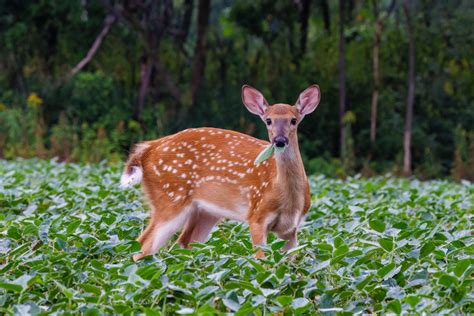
x=382, y=245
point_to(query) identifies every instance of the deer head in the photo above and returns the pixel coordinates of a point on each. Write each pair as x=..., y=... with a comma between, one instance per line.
x=281, y=119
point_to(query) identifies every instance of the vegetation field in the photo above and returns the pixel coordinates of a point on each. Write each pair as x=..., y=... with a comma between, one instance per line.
x=380, y=245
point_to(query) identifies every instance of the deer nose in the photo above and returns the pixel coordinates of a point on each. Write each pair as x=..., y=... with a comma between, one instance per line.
x=280, y=141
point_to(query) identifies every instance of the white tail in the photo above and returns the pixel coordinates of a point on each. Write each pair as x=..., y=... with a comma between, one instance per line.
x=133, y=173
x=199, y=176
x=135, y=176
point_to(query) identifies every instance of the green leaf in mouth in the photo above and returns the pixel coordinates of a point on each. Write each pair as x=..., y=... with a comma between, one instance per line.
x=265, y=154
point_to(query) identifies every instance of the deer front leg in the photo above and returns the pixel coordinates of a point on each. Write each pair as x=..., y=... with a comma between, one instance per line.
x=258, y=233
x=291, y=239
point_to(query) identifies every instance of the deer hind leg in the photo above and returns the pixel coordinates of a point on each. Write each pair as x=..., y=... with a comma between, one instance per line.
x=197, y=228
x=163, y=225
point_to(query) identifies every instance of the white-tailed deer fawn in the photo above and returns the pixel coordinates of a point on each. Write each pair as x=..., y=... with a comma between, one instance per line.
x=198, y=176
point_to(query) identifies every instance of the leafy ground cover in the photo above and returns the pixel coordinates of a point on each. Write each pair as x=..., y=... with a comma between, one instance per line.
x=379, y=245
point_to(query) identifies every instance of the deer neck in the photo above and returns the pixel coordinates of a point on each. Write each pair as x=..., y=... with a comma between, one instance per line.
x=290, y=169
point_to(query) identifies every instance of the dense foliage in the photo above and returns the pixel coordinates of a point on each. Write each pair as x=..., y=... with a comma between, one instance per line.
x=196, y=55
x=380, y=245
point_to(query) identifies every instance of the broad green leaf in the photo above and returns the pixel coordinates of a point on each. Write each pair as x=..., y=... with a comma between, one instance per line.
x=91, y=289
x=68, y=293
x=364, y=282
x=462, y=266
x=383, y=271
x=300, y=304
x=322, y=265
x=285, y=300
x=395, y=307
x=93, y=312
x=377, y=225
x=71, y=227
x=341, y=250
x=386, y=243
x=231, y=301
x=426, y=249
x=324, y=246
x=412, y=300
x=152, y=312
x=11, y=287
x=448, y=280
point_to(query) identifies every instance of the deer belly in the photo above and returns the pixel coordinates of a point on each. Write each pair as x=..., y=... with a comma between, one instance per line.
x=236, y=212
x=222, y=201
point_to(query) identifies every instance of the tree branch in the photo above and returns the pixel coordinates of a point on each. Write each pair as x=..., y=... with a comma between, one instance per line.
x=108, y=22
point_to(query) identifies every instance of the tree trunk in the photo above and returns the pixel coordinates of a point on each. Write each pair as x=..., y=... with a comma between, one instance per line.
x=303, y=10
x=376, y=69
x=326, y=15
x=350, y=9
x=342, y=80
x=146, y=68
x=407, y=166
x=199, y=50
x=376, y=75
x=186, y=23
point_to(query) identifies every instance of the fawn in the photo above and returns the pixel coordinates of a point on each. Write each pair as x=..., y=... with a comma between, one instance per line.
x=199, y=176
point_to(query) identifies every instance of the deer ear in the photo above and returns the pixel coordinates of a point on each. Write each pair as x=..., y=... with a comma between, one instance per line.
x=308, y=100
x=254, y=100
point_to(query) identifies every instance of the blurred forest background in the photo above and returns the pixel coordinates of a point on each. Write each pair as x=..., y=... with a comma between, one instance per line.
x=83, y=80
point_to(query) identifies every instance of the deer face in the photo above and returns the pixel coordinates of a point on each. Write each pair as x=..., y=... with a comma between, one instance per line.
x=281, y=119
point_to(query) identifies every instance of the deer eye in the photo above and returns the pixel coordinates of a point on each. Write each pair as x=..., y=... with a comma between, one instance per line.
x=269, y=121
x=293, y=121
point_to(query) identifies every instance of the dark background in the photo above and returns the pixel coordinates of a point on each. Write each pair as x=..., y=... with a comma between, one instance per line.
x=84, y=80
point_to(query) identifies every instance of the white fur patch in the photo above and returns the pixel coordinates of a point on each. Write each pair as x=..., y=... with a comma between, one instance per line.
x=238, y=213
x=127, y=180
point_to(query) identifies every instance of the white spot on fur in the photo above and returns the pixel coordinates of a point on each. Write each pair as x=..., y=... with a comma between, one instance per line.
x=155, y=169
